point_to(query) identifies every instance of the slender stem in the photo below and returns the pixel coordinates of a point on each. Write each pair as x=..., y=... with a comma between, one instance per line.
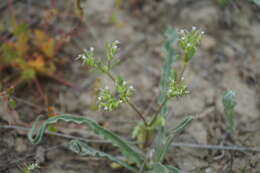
x=182, y=71
x=129, y=102
x=111, y=76
x=137, y=111
x=157, y=112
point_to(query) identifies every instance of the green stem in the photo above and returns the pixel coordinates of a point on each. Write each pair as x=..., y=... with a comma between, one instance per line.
x=182, y=71
x=129, y=102
x=157, y=113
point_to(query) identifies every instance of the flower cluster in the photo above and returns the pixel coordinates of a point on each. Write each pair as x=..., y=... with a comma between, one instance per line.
x=177, y=88
x=107, y=101
x=88, y=57
x=111, y=50
x=189, y=42
x=124, y=91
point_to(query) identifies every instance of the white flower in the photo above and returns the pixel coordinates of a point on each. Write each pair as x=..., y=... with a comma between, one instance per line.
x=91, y=49
x=182, y=31
x=115, y=46
x=117, y=42
x=99, y=98
x=105, y=108
x=131, y=87
x=189, y=45
x=194, y=28
x=81, y=57
x=106, y=87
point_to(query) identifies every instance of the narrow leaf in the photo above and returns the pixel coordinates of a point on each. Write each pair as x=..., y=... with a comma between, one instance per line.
x=167, y=71
x=172, y=133
x=172, y=169
x=181, y=126
x=83, y=149
x=257, y=2
x=158, y=168
x=229, y=103
x=12, y=103
x=130, y=151
x=171, y=56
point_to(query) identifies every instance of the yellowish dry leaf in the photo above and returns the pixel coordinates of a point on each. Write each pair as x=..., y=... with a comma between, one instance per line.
x=48, y=48
x=22, y=44
x=45, y=43
x=38, y=63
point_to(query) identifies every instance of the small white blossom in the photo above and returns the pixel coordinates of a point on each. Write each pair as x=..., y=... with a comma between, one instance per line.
x=117, y=42
x=194, y=28
x=99, y=98
x=105, y=108
x=131, y=87
x=81, y=57
x=91, y=49
x=115, y=46
x=33, y=166
x=189, y=45
x=106, y=87
x=182, y=31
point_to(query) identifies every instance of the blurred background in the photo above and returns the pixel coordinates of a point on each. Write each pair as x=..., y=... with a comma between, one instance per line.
x=39, y=41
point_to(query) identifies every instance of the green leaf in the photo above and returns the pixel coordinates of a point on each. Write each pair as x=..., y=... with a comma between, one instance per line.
x=224, y=3
x=9, y=53
x=172, y=169
x=257, y=2
x=229, y=100
x=52, y=128
x=229, y=103
x=182, y=125
x=158, y=168
x=169, y=139
x=83, y=149
x=12, y=103
x=21, y=28
x=167, y=72
x=128, y=150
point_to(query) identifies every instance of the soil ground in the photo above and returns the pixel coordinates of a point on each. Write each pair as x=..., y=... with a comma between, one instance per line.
x=229, y=58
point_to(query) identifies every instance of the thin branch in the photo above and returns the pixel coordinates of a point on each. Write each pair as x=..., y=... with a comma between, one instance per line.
x=217, y=147
x=137, y=111
x=199, y=146
x=129, y=102
x=157, y=112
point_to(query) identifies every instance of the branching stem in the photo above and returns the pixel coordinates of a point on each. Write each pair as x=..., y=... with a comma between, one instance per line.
x=140, y=115
x=157, y=112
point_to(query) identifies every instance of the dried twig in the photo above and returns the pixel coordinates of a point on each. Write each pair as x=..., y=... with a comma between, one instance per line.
x=199, y=146
x=217, y=147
